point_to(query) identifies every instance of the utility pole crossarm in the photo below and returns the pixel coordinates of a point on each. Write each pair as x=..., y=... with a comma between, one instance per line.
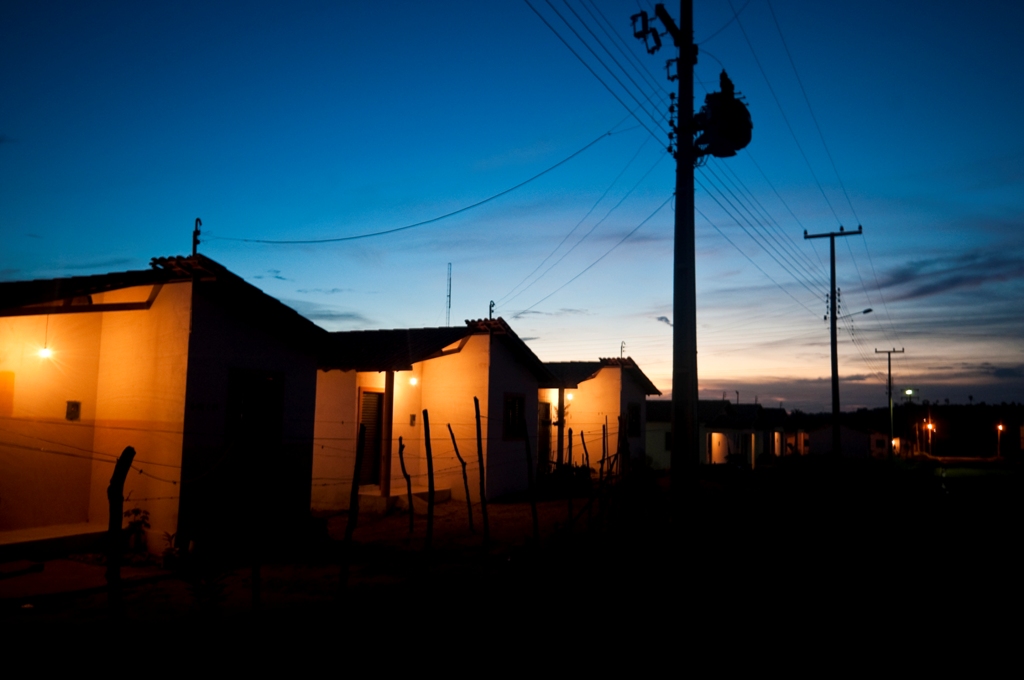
x=833, y=234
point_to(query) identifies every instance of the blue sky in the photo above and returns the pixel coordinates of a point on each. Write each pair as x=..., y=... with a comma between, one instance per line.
x=120, y=124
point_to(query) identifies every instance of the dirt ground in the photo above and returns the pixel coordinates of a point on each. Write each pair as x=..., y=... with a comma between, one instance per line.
x=806, y=544
x=389, y=569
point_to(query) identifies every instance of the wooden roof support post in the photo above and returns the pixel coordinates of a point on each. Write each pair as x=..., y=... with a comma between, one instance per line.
x=387, y=426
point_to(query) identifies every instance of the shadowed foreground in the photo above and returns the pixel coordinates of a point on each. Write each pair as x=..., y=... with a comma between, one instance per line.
x=804, y=543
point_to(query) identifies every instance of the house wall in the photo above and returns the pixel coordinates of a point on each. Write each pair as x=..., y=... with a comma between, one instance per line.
x=127, y=371
x=46, y=460
x=506, y=470
x=632, y=393
x=334, y=445
x=445, y=386
x=654, y=442
x=448, y=386
x=590, y=404
x=257, y=489
x=140, y=402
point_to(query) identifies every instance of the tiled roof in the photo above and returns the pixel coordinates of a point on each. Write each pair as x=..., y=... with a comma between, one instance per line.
x=232, y=292
x=569, y=374
x=398, y=349
x=394, y=349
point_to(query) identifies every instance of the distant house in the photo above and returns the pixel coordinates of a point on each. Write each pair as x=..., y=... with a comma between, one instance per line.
x=592, y=395
x=658, y=433
x=384, y=379
x=740, y=433
x=733, y=433
x=209, y=379
x=855, y=442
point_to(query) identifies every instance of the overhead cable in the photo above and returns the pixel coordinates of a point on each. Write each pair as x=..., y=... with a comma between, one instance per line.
x=424, y=222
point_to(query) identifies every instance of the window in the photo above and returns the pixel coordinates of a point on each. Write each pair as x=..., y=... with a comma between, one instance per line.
x=633, y=419
x=513, y=422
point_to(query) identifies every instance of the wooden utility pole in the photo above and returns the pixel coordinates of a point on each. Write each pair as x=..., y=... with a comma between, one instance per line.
x=685, y=445
x=890, y=352
x=833, y=314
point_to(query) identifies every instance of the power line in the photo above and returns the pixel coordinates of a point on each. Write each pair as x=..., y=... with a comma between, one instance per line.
x=782, y=265
x=582, y=220
x=639, y=65
x=591, y=231
x=783, y=113
x=592, y=264
x=594, y=73
x=793, y=248
x=749, y=259
x=431, y=220
x=599, y=60
x=658, y=105
x=790, y=259
x=726, y=25
x=811, y=110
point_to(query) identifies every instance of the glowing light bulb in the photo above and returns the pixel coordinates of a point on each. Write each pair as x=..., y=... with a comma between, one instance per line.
x=413, y=381
x=45, y=353
x=569, y=396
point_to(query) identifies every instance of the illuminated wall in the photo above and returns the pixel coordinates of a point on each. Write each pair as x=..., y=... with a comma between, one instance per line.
x=140, y=402
x=334, y=447
x=449, y=384
x=46, y=459
x=126, y=370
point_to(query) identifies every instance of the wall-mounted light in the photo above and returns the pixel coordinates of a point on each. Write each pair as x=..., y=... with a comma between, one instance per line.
x=45, y=352
x=569, y=396
x=413, y=381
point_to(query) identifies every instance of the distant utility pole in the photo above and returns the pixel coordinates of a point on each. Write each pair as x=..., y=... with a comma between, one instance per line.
x=890, y=352
x=195, y=237
x=836, y=440
x=448, y=304
x=724, y=126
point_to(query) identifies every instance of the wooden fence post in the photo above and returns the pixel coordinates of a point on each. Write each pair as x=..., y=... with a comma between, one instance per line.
x=529, y=480
x=115, y=501
x=590, y=486
x=572, y=480
x=430, y=481
x=408, y=481
x=465, y=479
x=480, y=463
x=353, y=511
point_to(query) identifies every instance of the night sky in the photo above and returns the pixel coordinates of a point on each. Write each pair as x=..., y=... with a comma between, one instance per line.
x=120, y=123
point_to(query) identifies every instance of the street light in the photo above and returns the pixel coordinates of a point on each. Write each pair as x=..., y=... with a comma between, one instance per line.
x=999, y=439
x=931, y=428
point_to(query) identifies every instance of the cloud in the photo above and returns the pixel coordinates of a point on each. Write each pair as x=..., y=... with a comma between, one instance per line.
x=272, y=274
x=665, y=320
x=327, y=314
x=326, y=291
x=925, y=278
x=564, y=311
x=530, y=338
